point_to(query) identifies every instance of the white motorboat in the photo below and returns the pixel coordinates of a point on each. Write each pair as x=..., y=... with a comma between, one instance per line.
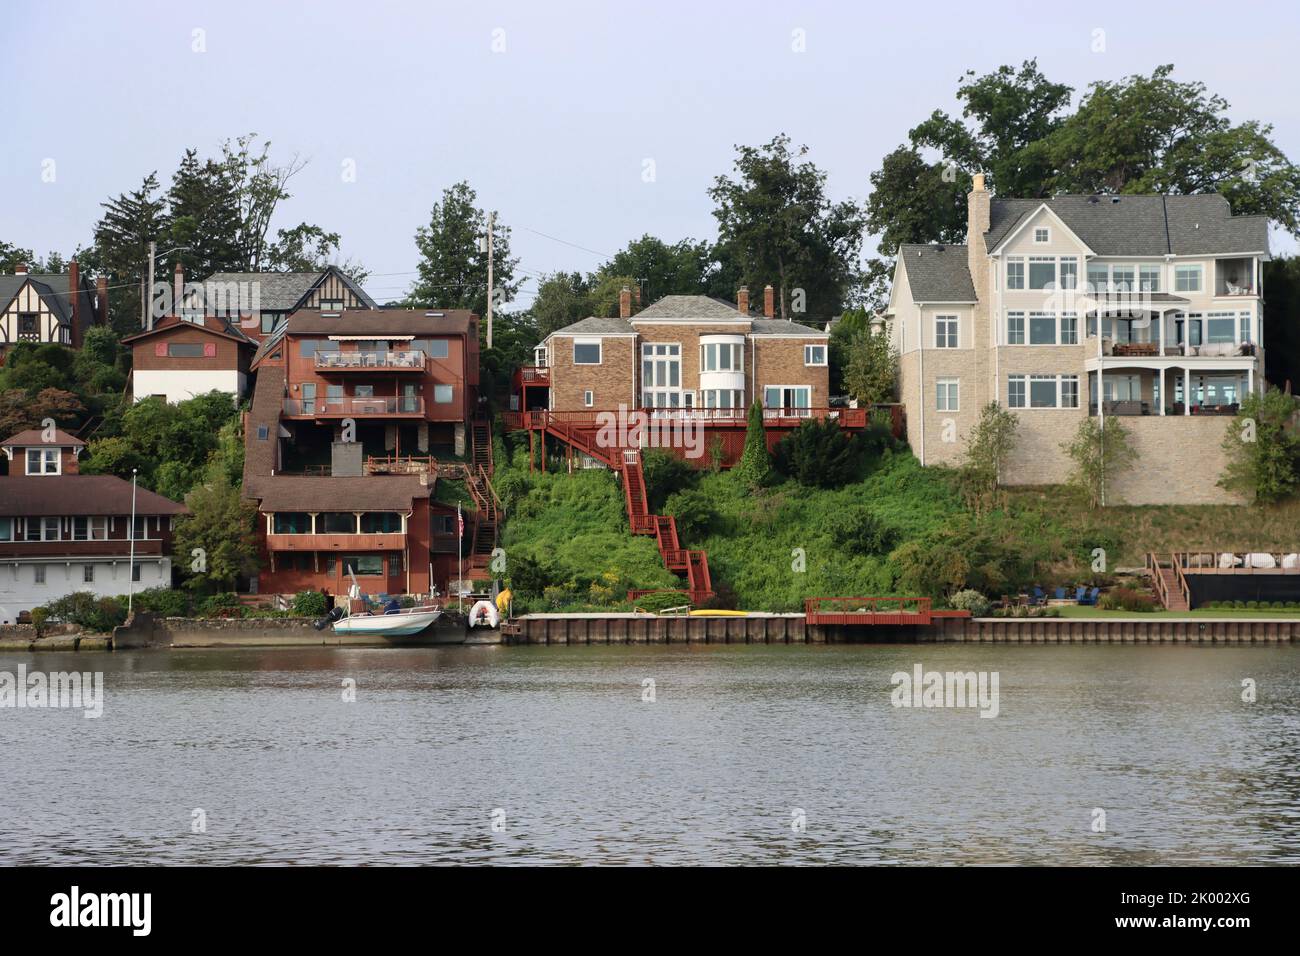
x=409, y=620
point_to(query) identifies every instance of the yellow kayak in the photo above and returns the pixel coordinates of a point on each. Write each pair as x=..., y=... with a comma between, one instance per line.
x=713, y=613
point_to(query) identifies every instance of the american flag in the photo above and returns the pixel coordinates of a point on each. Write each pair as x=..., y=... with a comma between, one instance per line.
x=460, y=523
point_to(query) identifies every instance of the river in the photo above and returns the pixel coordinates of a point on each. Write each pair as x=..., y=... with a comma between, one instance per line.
x=747, y=754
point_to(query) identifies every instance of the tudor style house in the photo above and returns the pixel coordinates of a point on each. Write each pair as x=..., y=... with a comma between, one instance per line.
x=49, y=308
x=355, y=416
x=62, y=532
x=265, y=300
x=1143, y=307
x=687, y=354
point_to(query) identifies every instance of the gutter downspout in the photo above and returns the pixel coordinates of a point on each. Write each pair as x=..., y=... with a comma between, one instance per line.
x=920, y=360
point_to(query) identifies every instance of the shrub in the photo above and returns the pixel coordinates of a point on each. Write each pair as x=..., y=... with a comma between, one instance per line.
x=88, y=611
x=1127, y=599
x=664, y=474
x=528, y=576
x=819, y=454
x=164, y=602
x=973, y=601
x=309, y=604
x=693, y=513
x=755, y=465
x=221, y=604
x=861, y=531
x=40, y=616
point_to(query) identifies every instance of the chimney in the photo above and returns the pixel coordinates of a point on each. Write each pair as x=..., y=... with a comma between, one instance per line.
x=101, y=304
x=74, y=294
x=977, y=213
x=178, y=288
x=742, y=299
x=769, y=301
x=20, y=269
x=625, y=303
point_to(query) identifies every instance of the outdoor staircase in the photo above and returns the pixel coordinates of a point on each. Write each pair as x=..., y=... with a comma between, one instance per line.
x=1167, y=582
x=487, y=520
x=481, y=442
x=693, y=564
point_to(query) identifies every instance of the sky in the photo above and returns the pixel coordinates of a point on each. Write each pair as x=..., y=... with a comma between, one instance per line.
x=584, y=124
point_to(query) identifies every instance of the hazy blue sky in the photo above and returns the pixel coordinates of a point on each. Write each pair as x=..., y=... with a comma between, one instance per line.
x=552, y=132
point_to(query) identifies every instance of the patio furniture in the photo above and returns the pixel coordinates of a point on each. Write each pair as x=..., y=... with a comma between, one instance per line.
x=1036, y=596
x=1081, y=596
x=1059, y=594
x=1091, y=598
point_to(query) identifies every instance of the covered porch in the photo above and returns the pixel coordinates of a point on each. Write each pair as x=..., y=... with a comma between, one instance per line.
x=1158, y=325
x=1161, y=387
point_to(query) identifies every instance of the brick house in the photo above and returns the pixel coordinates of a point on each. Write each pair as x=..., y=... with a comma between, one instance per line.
x=50, y=308
x=355, y=416
x=1147, y=308
x=686, y=354
x=61, y=531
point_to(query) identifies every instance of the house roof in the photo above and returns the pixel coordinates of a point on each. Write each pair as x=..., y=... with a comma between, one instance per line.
x=327, y=493
x=938, y=273
x=283, y=291
x=217, y=325
x=701, y=307
x=53, y=289
x=34, y=436
x=784, y=327
x=80, y=495
x=381, y=322
x=597, y=326
x=264, y=410
x=1202, y=224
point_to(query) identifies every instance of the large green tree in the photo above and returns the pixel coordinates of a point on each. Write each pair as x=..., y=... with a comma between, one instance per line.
x=453, y=267
x=203, y=219
x=659, y=269
x=777, y=226
x=122, y=236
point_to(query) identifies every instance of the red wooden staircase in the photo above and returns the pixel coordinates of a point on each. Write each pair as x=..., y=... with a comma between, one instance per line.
x=693, y=564
x=481, y=444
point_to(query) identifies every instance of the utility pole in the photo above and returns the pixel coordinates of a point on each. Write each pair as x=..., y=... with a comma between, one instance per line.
x=492, y=224
x=147, y=320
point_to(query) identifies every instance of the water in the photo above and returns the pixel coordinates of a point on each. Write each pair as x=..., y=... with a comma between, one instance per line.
x=713, y=771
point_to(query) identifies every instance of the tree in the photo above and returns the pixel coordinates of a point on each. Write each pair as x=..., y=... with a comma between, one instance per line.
x=872, y=371
x=12, y=256
x=819, y=454
x=755, y=465
x=258, y=186
x=1099, y=453
x=987, y=448
x=220, y=527
x=776, y=224
x=130, y=222
x=913, y=200
x=309, y=248
x=850, y=325
x=20, y=409
x=1263, y=448
x=1282, y=320
x=562, y=299
x=203, y=217
x=659, y=269
x=452, y=271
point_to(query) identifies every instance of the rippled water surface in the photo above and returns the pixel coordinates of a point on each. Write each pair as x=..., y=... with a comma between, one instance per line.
x=714, y=770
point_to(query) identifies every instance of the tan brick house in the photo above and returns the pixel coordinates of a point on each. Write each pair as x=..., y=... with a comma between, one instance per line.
x=683, y=352
x=1144, y=307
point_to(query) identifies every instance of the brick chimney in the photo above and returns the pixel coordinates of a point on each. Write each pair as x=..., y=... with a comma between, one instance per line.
x=769, y=301
x=978, y=206
x=101, y=300
x=625, y=303
x=178, y=288
x=20, y=269
x=74, y=294
x=742, y=299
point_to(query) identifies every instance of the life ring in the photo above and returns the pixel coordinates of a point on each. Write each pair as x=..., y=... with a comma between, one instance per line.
x=484, y=614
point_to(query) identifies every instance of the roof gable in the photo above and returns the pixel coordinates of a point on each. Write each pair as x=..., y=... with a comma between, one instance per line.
x=1043, y=210
x=678, y=307
x=938, y=273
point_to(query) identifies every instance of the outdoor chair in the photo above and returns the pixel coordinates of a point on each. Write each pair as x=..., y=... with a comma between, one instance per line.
x=1081, y=596
x=1059, y=594
x=1036, y=595
x=1091, y=599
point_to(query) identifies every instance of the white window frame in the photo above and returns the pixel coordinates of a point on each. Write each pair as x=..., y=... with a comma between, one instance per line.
x=1073, y=319
x=1038, y=261
x=947, y=395
x=588, y=398
x=668, y=358
x=1146, y=270
x=1189, y=269
x=1016, y=314
x=1022, y=381
x=1029, y=328
x=1046, y=235
x=1023, y=277
x=954, y=333
x=808, y=351
x=600, y=351
x=46, y=456
x=736, y=350
x=1026, y=396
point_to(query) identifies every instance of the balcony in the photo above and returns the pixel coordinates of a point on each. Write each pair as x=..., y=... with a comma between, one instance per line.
x=536, y=375
x=1233, y=277
x=395, y=541
x=379, y=407
x=370, y=361
x=119, y=548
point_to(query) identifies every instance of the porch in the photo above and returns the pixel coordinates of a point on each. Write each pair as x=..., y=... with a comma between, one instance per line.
x=1160, y=388
x=1142, y=328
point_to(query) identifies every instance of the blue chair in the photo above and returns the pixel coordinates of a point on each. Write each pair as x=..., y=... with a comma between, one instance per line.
x=1092, y=596
x=1059, y=594
x=1081, y=596
x=1037, y=595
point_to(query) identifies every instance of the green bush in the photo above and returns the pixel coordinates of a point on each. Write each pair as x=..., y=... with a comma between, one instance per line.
x=165, y=602
x=861, y=531
x=1127, y=599
x=819, y=454
x=222, y=604
x=99, y=614
x=972, y=601
x=309, y=604
x=693, y=513
x=528, y=577
x=664, y=474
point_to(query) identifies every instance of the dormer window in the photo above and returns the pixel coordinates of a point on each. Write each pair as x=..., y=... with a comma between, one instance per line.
x=1042, y=235
x=43, y=461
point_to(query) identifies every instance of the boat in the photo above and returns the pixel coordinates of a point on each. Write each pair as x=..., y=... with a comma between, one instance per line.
x=400, y=622
x=717, y=612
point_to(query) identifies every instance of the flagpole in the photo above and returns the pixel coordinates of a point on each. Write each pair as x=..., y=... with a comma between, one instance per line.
x=130, y=584
x=460, y=548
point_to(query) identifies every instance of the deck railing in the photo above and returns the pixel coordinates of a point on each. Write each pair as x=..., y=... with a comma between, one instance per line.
x=374, y=360
x=868, y=610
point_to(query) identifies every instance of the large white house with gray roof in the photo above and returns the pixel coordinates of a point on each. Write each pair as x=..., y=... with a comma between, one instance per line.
x=1144, y=307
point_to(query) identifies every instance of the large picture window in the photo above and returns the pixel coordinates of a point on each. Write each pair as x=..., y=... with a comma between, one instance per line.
x=1042, y=272
x=1042, y=328
x=586, y=353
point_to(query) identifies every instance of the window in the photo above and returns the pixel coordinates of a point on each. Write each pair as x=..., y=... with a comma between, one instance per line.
x=1245, y=326
x=1069, y=273
x=588, y=398
x=442, y=394
x=947, y=389
x=88, y=573
x=263, y=432
x=308, y=398
x=816, y=354
x=1015, y=391
x=1069, y=391
x=331, y=305
x=363, y=564
x=336, y=522
x=1123, y=278
x=722, y=357
x=1015, y=328
x=1042, y=328
x=333, y=394
x=363, y=391
x=1069, y=329
x=586, y=353
x=434, y=348
x=1194, y=328
x=1098, y=277
x=6, y=529
x=787, y=398
x=1149, y=278
x=381, y=522
x=1042, y=391
x=27, y=323
x=1015, y=273
x=1220, y=327
x=722, y=398
x=291, y=522
x=269, y=320
x=1042, y=272
x=661, y=366
x=141, y=529
x=444, y=524
x=38, y=575
x=43, y=461
x=135, y=573
x=1187, y=278
x=1042, y=234
x=945, y=332
x=395, y=562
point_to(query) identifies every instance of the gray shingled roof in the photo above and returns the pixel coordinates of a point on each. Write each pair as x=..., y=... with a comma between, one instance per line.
x=690, y=307
x=783, y=327
x=1141, y=225
x=938, y=273
x=282, y=291
x=596, y=326
x=54, y=290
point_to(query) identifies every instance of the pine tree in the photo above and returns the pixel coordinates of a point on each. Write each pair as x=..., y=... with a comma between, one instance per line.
x=452, y=271
x=122, y=240
x=756, y=461
x=204, y=216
